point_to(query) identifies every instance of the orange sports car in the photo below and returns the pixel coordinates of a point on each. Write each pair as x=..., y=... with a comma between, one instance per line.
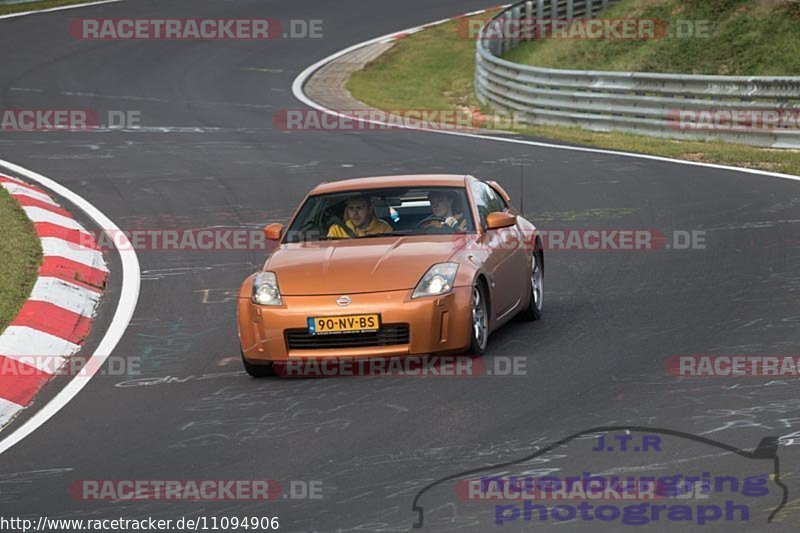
x=391, y=266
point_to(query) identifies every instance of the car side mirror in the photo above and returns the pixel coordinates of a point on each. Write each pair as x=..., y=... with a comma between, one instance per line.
x=499, y=220
x=273, y=232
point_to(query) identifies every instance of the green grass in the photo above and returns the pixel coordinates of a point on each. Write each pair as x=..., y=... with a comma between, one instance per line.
x=433, y=69
x=33, y=6
x=744, y=38
x=21, y=252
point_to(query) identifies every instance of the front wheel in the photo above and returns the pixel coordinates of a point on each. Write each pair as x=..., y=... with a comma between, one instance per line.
x=257, y=371
x=480, y=320
x=534, y=309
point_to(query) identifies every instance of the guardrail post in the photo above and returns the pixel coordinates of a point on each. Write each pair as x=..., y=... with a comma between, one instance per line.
x=514, y=27
x=541, y=27
x=528, y=34
x=570, y=9
x=504, y=44
x=589, y=9
x=498, y=36
x=477, y=79
x=485, y=37
x=605, y=5
x=495, y=44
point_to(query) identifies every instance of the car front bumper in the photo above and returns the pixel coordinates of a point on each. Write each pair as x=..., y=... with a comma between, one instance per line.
x=436, y=324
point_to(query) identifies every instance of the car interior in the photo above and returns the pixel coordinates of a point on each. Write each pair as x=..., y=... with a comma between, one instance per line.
x=403, y=209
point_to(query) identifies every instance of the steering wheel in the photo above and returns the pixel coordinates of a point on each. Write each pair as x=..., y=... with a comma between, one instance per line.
x=430, y=218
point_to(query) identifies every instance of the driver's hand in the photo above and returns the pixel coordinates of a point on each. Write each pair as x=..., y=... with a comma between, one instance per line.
x=451, y=221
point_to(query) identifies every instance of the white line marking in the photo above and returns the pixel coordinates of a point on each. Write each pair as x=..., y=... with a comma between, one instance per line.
x=8, y=410
x=478, y=12
x=54, y=247
x=436, y=23
x=129, y=295
x=22, y=341
x=19, y=190
x=66, y=295
x=300, y=81
x=37, y=214
x=60, y=8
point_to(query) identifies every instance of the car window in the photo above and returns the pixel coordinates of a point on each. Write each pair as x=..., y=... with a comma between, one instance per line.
x=398, y=211
x=500, y=199
x=487, y=200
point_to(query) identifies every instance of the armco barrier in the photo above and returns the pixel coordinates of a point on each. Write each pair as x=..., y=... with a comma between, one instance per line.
x=761, y=111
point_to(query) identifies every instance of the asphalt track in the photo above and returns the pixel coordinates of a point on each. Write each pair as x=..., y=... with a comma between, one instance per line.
x=208, y=155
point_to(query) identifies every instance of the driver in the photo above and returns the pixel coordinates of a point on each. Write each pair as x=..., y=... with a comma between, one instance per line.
x=442, y=208
x=359, y=219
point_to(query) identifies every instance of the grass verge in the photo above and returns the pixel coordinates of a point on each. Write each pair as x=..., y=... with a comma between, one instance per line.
x=725, y=37
x=35, y=6
x=22, y=254
x=433, y=69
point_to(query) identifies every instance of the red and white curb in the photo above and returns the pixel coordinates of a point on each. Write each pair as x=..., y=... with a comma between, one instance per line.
x=57, y=316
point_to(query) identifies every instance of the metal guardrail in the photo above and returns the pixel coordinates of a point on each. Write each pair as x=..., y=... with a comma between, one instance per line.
x=666, y=105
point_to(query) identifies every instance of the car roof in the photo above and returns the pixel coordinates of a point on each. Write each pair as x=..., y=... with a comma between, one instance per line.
x=377, y=182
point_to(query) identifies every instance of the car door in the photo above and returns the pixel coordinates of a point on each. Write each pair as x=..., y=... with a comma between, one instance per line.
x=506, y=263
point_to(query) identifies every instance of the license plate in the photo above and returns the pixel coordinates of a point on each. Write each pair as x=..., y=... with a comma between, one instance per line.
x=327, y=325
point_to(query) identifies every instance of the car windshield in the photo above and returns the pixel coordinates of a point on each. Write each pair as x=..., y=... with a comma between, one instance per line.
x=381, y=212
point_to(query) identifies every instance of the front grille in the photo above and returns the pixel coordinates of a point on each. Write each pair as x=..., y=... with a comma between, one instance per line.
x=388, y=335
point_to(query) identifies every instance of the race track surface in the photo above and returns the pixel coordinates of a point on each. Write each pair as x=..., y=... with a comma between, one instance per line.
x=208, y=155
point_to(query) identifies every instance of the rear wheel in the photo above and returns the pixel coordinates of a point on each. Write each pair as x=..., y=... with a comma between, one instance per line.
x=480, y=320
x=534, y=309
x=257, y=371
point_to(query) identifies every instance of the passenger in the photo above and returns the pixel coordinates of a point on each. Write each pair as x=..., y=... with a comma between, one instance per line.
x=360, y=219
x=442, y=208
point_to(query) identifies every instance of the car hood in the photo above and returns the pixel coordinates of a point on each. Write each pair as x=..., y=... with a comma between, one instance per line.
x=358, y=266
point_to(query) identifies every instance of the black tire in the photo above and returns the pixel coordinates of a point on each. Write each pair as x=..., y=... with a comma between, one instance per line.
x=257, y=371
x=478, y=343
x=534, y=309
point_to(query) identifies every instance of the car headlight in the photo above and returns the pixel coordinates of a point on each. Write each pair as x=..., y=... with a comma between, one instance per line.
x=265, y=289
x=437, y=280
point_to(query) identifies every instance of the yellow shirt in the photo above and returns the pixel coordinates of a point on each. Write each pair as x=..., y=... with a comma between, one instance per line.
x=376, y=226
